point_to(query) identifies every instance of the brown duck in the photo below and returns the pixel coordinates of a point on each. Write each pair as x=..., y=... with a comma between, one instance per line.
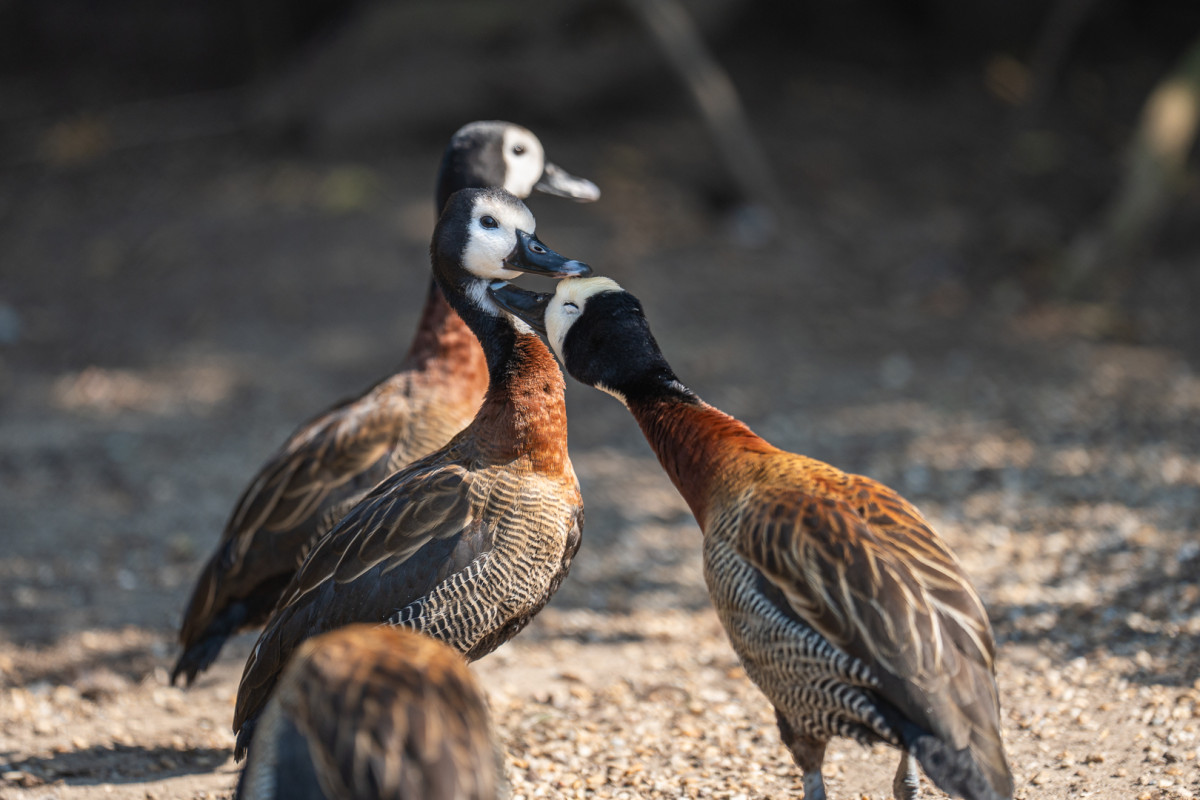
x=332, y=460
x=846, y=609
x=468, y=543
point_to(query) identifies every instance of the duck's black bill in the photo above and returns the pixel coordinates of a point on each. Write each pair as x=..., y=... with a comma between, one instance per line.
x=557, y=181
x=533, y=257
x=529, y=307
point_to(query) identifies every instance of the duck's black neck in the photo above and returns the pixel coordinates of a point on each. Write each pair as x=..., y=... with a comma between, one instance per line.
x=468, y=166
x=497, y=333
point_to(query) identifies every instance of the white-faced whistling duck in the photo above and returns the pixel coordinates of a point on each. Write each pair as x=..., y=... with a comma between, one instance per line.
x=468, y=543
x=373, y=712
x=334, y=459
x=846, y=609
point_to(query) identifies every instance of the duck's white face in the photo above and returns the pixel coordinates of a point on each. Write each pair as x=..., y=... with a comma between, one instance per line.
x=566, y=307
x=492, y=235
x=524, y=160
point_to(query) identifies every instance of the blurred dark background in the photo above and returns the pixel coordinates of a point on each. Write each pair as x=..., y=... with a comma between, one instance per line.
x=1017, y=130
x=953, y=245
x=949, y=244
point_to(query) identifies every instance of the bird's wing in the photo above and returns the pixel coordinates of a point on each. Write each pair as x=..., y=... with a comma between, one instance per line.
x=331, y=459
x=412, y=532
x=865, y=570
x=323, y=455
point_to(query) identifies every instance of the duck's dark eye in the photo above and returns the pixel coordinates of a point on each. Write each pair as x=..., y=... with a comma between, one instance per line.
x=518, y=150
x=489, y=222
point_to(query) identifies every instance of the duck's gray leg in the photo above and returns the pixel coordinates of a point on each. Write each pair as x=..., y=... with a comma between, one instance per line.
x=907, y=781
x=808, y=754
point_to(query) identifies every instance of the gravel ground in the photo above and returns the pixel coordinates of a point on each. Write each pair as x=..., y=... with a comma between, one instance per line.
x=168, y=314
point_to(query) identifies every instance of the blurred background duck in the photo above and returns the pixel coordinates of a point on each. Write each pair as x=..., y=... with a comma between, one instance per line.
x=372, y=712
x=332, y=460
x=845, y=608
x=468, y=543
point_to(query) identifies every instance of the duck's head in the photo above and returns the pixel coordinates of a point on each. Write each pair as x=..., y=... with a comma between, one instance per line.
x=597, y=329
x=494, y=153
x=487, y=235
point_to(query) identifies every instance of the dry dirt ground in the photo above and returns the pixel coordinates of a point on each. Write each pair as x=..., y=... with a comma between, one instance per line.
x=168, y=313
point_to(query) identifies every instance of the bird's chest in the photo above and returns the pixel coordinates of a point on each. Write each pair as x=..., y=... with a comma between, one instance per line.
x=534, y=544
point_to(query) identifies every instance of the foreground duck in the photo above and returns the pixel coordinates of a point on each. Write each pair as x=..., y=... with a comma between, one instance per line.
x=374, y=713
x=332, y=460
x=846, y=609
x=468, y=543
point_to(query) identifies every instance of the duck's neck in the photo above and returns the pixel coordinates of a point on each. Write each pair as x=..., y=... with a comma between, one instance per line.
x=695, y=442
x=523, y=413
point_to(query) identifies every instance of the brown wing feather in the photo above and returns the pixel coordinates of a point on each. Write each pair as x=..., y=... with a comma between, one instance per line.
x=862, y=566
x=425, y=502
x=329, y=461
x=391, y=714
x=323, y=455
x=389, y=525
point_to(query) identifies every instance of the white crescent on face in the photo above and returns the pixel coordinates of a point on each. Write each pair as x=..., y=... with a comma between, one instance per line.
x=566, y=307
x=488, y=244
